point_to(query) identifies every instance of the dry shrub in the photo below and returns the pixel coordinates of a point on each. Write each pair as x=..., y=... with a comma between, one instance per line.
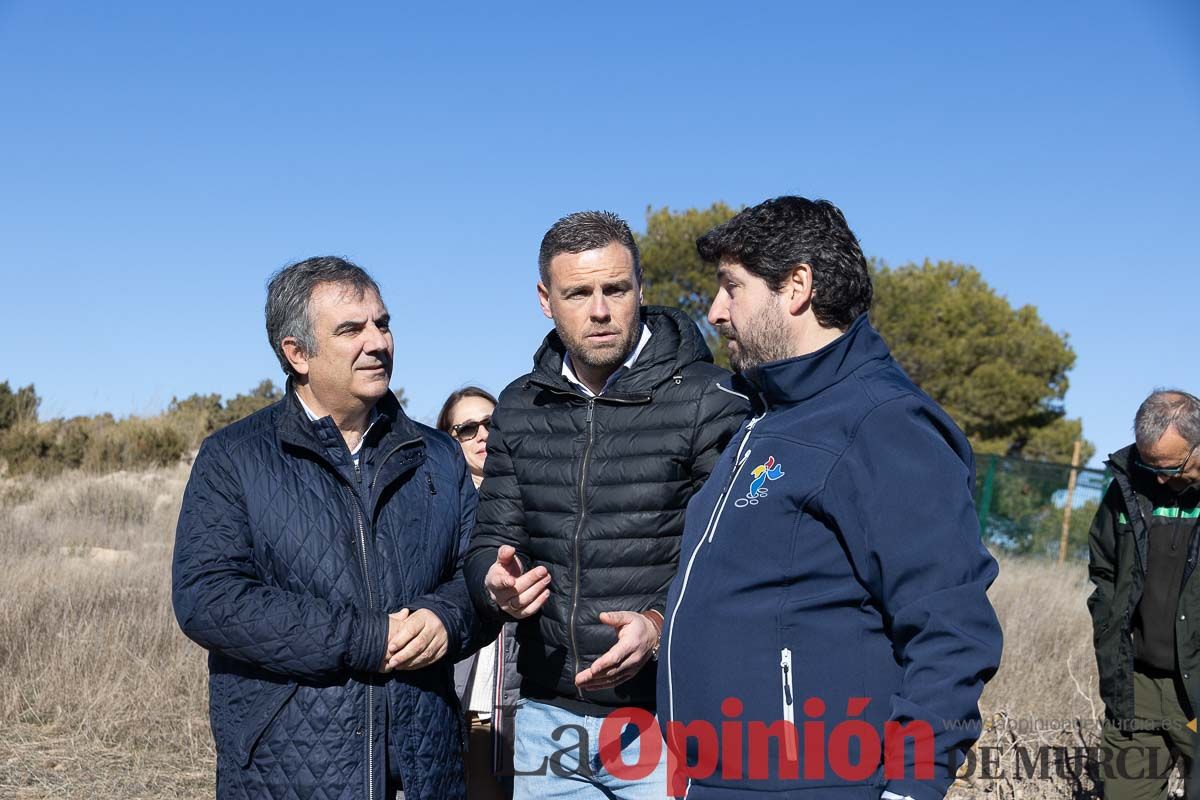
x=1043, y=610
x=134, y=443
x=109, y=501
x=94, y=444
x=102, y=695
x=102, y=443
x=1044, y=697
x=15, y=492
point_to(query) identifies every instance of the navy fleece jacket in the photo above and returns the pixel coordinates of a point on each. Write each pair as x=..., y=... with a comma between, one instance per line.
x=832, y=556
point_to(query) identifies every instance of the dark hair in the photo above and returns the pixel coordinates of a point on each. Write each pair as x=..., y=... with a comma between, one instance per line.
x=586, y=230
x=289, y=292
x=443, y=420
x=1166, y=408
x=773, y=237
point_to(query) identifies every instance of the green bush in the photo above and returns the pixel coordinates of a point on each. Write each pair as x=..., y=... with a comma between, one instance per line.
x=29, y=449
x=17, y=407
x=195, y=417
x=132, y=444
x=102, y=443
x=200, y=414
x=94, y=444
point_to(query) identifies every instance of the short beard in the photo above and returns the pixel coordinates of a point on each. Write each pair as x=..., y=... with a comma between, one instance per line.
x=763, y=338
x=606, y=359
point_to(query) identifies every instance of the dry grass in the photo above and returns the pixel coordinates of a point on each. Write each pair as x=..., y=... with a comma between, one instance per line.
x=102, y=696
x=1044, y=695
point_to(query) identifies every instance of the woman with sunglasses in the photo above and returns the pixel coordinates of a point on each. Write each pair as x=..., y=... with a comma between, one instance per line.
x=487, y=681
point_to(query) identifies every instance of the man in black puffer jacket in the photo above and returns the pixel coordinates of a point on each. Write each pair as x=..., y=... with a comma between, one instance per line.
x=592, y=458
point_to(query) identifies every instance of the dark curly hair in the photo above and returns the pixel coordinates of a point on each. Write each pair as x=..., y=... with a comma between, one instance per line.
x=771, y=238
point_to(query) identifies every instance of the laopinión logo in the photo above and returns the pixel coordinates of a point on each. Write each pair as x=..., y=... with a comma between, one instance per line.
x=733, y=748
x=852, y=749
x=768, y=471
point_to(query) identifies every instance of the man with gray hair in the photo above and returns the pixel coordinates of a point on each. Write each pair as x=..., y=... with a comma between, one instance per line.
x=1146, y=604
x=318, y=559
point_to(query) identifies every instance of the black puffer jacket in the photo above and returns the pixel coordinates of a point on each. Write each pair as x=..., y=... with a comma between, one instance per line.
x=595, y=489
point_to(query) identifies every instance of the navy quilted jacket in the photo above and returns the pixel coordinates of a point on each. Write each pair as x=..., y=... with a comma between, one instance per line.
x=286, y=565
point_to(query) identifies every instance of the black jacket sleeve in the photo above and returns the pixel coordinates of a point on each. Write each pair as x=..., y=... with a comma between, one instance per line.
x=721, y=412
x=719, y=415
x=1102, y=560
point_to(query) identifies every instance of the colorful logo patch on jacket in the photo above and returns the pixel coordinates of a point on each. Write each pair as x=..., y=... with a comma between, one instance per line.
x=769, y=471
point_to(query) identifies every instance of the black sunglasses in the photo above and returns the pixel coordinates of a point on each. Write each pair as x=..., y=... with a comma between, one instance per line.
x=466, y=431
x=1169, y=472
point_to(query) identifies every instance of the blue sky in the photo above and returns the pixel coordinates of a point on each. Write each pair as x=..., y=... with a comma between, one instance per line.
x=160, y=160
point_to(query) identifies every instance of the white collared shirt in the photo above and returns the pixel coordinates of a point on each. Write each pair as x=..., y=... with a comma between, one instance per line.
x=568, y=371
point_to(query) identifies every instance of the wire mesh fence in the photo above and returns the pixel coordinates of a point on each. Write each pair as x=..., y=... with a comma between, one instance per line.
x=1024, y=506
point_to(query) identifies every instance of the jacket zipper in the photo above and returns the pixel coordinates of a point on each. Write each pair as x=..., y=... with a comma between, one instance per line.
x=362, y=551
x=740, y=461
x=714, y=518
x=370, y=742
x=360, y=525
x=789, y=709
x=591, y=406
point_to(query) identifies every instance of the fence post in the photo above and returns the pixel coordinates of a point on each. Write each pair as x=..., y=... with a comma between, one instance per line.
x=985, y=496
x=1066, y=526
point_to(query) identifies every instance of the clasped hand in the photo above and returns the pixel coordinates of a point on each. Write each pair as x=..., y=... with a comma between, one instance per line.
x=416, y=639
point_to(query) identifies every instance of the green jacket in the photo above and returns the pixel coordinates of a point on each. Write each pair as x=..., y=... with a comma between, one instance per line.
x=1117, y=543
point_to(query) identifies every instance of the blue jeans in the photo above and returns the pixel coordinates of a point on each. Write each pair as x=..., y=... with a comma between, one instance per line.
x=552, y=740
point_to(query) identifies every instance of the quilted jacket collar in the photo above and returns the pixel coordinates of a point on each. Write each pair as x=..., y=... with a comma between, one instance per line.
x=400, y=444
x=674, y=343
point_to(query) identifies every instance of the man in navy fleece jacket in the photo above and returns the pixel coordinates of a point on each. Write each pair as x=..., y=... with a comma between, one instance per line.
x=832, y=581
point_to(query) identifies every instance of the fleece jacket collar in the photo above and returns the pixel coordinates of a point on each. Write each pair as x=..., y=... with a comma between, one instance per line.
x=794, y=380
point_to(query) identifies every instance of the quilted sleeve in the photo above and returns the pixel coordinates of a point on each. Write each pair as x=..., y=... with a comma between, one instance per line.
x=450, y=601
x=223, y=605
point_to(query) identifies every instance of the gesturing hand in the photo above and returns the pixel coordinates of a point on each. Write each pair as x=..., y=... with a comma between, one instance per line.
x=517, y=593
x=637, y=636
x=415, y=639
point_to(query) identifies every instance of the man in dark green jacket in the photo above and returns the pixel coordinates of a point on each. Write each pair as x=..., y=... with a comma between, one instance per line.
x=1146, y=604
